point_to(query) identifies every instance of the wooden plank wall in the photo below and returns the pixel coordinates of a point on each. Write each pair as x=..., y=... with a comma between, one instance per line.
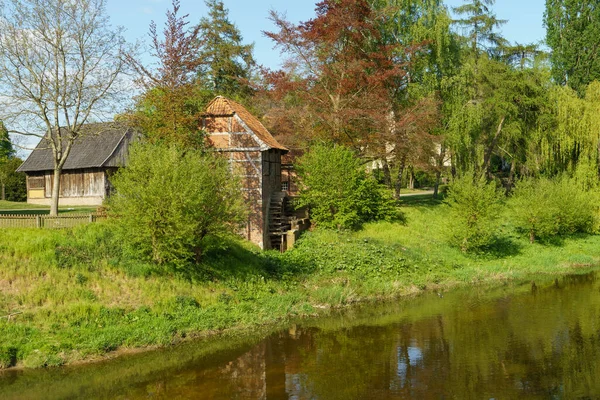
x=78, y=183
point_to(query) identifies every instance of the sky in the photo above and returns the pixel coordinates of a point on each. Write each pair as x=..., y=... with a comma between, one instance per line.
x=525, y=19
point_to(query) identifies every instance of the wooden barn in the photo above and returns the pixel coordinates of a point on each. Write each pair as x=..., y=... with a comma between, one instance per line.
x=95, y=155
x=255, y=157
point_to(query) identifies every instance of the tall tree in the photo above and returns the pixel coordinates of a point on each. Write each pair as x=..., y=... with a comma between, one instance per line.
x=59, y=65
x=170, y=106
x=227, y=62
x=479, y=23
x=425, y=26
x=572, y=32
x=338, y=73
x=6, y=147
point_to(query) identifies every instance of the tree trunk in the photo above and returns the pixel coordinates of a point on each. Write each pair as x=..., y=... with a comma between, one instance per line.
x=438, y=172
x=3, y=191
x=387, y=175
x=411, y=177
x=55, y=192
x=531, y=236
x=511, y=177
x=398, y=184
x=490, y=150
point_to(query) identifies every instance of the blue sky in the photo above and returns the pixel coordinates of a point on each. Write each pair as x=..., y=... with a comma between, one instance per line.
x=524, y=26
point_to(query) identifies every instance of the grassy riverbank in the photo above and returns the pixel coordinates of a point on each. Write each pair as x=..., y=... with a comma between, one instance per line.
x=67, y=296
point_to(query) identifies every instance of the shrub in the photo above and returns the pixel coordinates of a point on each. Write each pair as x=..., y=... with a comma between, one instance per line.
x=169, y=199
x=548, y=207
x=474, y=210
x=533, y=208
x=338, y=191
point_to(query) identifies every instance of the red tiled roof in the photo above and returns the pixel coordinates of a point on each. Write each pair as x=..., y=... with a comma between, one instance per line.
x=221, y=106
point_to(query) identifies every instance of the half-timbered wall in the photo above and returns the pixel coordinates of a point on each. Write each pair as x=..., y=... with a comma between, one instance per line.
x=259, y=171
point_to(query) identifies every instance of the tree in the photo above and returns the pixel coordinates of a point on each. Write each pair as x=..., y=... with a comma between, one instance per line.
x=338, y=191
x=170, y=107
x=12, y=183
x=572, y=32
x=6, y=147
x=480, y=22
x=227, y=63
x=416, y=138
x=170, y=198
x=59, y=65
x=336, y=81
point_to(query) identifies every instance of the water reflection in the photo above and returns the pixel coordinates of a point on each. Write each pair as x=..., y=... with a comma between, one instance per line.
x=514, y=342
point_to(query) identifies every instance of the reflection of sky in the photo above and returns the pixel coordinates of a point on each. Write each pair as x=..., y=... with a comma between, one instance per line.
x=413, y=358
x=294, y=386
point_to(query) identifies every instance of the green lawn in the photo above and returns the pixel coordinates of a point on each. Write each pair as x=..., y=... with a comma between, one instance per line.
x=12, y=207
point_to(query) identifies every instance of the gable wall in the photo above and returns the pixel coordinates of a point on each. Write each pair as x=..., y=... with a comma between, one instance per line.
x=241, y=148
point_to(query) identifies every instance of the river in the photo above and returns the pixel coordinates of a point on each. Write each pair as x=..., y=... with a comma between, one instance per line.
x=535, y=340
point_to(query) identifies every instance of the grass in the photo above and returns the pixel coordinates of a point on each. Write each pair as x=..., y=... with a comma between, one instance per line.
x=13, y=207
x=73, y=295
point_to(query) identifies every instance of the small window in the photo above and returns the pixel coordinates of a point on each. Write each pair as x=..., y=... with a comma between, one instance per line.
x=37, y=182
x=285, y=186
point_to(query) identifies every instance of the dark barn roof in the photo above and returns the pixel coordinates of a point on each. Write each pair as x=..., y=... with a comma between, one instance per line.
x=98, y=146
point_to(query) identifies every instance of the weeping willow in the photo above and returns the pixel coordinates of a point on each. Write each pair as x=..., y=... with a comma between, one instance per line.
x=569, y=138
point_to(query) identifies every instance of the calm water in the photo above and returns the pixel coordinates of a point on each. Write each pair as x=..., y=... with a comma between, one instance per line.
x=527, y=341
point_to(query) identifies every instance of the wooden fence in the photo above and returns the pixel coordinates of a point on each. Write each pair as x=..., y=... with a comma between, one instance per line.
x=47, y=221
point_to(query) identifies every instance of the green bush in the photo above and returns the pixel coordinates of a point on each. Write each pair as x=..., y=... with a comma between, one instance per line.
x=169, y=199
x=338, y=191
x=533, y=208
x=549, y=207
x=474, y=211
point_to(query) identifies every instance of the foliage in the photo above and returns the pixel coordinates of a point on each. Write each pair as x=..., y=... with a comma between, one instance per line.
x=227, y=63
x=568, y=137
x=548, y=207
x=168, y=200
x=12, y=183
x=572, y=31
x=338, y=191
x=6, y=147
x=336, y=83
x=474, y=211
x=480, y=22
x=534, y=209
x=170, y=107
x=60, y=63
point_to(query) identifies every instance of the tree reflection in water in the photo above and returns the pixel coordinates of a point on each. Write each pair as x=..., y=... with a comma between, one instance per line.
x=542, y=344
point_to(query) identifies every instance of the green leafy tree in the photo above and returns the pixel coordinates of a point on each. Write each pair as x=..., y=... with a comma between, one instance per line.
x=474, y=210
x=572, y=32
x=169, y=199
x=227, y=62
x=338, y=191
x=479, y=22
x=6, y=147
x=417, y=140
x=12, y=183
x=567, y=139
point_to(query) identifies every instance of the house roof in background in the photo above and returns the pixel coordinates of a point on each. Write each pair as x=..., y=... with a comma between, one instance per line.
x=221, y=107
x=92, y=149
